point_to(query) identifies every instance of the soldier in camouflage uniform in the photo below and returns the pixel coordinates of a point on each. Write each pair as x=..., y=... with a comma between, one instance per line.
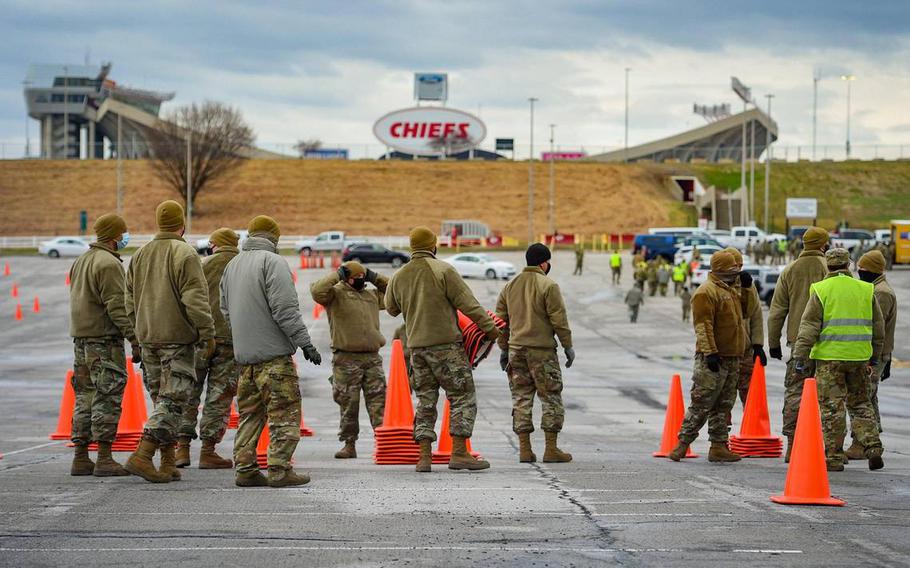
x=533, y=307
x=428, y=292
x=843, y=330
x=754, y=326
x=98, y=325
x=353, y=312
x=217, y=374
x=259, y=303
x=651, y=275
x=579, y=259
x=719, y=344
x=166, y=298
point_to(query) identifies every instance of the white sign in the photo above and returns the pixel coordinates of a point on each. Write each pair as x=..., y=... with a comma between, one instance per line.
x=430, y=131
x=802, y=208
x=431, y=86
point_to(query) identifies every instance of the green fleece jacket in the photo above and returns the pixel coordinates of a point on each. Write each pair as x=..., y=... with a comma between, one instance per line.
x=166, y=295
x=533, y=306
x=353, y=314
x=97, y=295
x=213, y=268
x=428, y=291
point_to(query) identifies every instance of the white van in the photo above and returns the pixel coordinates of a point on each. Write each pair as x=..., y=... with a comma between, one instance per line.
x=675, y=231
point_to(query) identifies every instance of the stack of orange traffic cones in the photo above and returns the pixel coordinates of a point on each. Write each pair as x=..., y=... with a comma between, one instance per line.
x=67, y=405
x=395, y=443
x=755, y=439
x=443, y=451
x=133, y=414
x=262, y=448
x=807, y=475
x=676, y=411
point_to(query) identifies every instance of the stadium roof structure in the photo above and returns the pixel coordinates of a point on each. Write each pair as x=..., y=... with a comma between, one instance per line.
x=717, y=141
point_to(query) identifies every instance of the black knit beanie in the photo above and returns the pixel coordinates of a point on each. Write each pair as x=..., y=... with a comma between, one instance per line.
x=537, y=254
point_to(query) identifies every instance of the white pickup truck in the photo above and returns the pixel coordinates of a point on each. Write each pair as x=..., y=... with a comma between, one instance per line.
x=740, y=237
x=326, y=241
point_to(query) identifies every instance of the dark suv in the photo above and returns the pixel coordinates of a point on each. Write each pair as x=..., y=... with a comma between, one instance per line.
x=371, y=253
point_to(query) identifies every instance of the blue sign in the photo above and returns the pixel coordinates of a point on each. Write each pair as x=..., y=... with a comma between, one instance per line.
x=326, y=154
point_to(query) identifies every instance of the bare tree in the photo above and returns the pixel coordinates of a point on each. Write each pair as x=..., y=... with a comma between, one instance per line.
x=304, y=146
x=219, y=140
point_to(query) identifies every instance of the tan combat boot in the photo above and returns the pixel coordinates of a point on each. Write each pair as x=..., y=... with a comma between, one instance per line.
x=82, y=464
x=834, y=464
x=183, y=452
x=425, y=463
x=140, y=462
x=679, y=452
x=551, y=453
x=252, y=479
x=461, y=459
x=720, y=453
x=208, y=459
x=281, y=477
x=525, y=453
x=874, y=455
x=856, y=451
x=168, y=461
x=105, y=466
x=347, y=452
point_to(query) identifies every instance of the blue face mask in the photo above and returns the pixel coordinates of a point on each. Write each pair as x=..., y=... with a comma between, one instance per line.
x=124, y=240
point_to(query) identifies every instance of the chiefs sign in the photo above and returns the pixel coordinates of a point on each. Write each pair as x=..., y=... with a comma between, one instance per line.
x=430, y=131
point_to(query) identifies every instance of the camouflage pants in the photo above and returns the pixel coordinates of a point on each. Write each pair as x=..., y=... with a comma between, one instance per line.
x=172, y=369
x=352, y=373
x=677, y=286
x=711, y=399
x=99, y=379
x=686, y=311
x=443, y=366
x=663, y=289
x=652, y=287
x=617, y=273
x=793, y=393
x=267, y=391
x=535, y=370
x=633, y=313
x=843, y=383
x=578, y=269
x=219, y=376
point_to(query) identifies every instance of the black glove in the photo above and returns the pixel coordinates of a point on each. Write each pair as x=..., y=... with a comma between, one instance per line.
x=713, y=361
x=504, y=359
x=776, y=353
x=371, y=276
x=886, y=372
x=311, y=355
x=800, y=366
x=570, y=356
x=745, y=279
x=759, y=351
x=137, y=353
x=343, y=273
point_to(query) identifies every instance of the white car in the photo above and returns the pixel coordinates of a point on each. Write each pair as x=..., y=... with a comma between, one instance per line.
x=684, y=253
x=203, y=246
x=63, y=246
x=479, y=265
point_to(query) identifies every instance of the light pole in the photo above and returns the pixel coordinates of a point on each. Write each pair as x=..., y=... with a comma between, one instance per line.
x=816, y=77
x=625, y=153
x=745, y=94
x=848, y=79
x=552, y=204
x=66, y=96
x=531, y=100
x=768, y=163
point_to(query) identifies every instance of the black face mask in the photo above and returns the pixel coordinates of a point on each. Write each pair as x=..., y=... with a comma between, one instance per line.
x=867, y=276
x=547, y=270
x=359, y=283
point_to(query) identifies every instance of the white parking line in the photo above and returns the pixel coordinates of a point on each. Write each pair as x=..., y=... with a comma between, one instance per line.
x=472, y=548
x=516, y=513
x=31, y=448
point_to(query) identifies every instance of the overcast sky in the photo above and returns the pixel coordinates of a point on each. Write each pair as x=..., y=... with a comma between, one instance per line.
x=328, y=70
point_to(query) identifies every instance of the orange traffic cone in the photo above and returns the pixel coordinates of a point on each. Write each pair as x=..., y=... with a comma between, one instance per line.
x=6, y=270
x=67, y=278
x=15, y=291
x=233, y=418
x=676, y=411
x=317, y=311
x=755, y=439
x=807, y=476
x=395, y=438
x=321, y=260
x=133, y=413
x=304, y=431
x=36, y=307
x=443, y=451
x=67, y=405
x=18, y=314
x=302, y=261
x=262, y=448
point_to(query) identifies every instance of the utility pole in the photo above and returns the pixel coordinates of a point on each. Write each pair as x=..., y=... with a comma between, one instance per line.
x=552, y=215
x=66, y=97
x=625, y=154
x=26, y=85
x=849, y=79
x=531, y=100
x=119, y=165
x=816, y=77
x=189, y=181
x=768, y=165
x=752, y=220
x=743, y=199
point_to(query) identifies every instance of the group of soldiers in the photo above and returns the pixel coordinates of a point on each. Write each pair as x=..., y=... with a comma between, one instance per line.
x=657, y=273
x=840, y=330
x=231, y=324
x=773, y=251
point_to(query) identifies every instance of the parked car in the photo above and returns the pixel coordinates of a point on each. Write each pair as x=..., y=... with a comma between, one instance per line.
x=203, y=246
x=850, y=238
x=63, y=246
x=654, y=245
x=740, y=237
x=324, y=242
x=797, y=232
x=718, y=234
x=765, y=278
x=883, y=235
x=684, y=254
x=478, y=265
x=371, y=253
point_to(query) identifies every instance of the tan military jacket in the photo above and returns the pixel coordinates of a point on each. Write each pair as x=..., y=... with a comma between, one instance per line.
x=792, y=294
x=428, y=291
x=887, y=301
x=718, y=319
x=753, y=320
x=97, y=286
x=166, y=293
x=353, y=314
x=533, y=306
x=213, y=268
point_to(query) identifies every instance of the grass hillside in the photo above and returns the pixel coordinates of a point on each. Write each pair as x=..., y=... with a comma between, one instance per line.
x=867, y=194
x=362, y=197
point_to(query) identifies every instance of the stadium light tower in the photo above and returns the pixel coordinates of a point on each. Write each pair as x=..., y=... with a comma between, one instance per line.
x=816, y=77
x=848, y=79
x=768, y=164
x=625, y=155
x=531, y=100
